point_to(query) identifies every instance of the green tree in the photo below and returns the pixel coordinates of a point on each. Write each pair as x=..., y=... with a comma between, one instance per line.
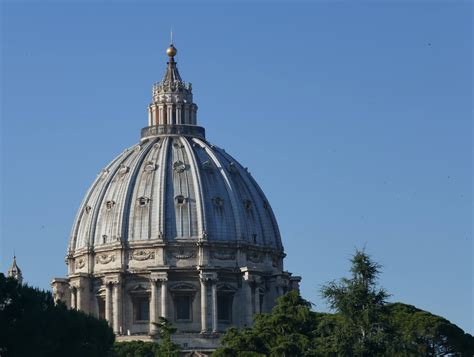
x=421, y=333
x=363, y=329
x=31, y=324
x=136, y=349
x=167, y=347
x=287, y=331
x=363, y=324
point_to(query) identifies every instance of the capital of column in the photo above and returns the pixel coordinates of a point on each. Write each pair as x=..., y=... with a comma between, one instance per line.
x=113, y=280
x=252, y=278
x=208, y=277
x=156, y=277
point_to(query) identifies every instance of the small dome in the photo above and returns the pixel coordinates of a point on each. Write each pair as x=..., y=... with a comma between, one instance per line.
x=174, y=188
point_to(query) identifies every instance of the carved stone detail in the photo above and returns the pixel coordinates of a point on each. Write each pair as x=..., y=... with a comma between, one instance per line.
x=179, y=166
x=255, y=257
x=223, y=254
x=181, y=253
x=141, y=254
x=104, y=258
x=80, y=263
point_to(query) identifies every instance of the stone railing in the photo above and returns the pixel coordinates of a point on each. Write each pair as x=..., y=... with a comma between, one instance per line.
x=186, y=130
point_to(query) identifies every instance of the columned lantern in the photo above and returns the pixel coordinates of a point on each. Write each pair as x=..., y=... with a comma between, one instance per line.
x=175, y=227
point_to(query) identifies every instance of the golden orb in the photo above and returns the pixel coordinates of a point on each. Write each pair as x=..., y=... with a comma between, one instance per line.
x=171, y=51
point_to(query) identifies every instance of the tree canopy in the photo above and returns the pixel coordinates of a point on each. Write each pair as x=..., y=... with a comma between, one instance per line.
x=363, y=324
x=31, y=324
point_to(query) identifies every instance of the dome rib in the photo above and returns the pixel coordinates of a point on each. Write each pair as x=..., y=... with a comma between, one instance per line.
x=198, y=191
x=229, y=186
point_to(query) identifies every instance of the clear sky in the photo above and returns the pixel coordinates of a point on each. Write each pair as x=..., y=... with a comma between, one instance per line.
x=354, y=117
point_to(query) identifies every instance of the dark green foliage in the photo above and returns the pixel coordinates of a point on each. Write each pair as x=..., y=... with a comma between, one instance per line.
x=167, y=347
x=287, y=331
x=32, y=325
x=364, y=330
x=363, y=325
x=421, y=333
x=135, y=349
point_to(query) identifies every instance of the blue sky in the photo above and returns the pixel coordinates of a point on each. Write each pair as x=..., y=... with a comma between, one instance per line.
x=354, y=117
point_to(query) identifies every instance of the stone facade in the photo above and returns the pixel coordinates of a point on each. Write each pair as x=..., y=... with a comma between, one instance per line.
x=174, y=227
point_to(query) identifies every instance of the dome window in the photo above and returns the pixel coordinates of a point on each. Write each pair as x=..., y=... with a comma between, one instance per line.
x=179, y=166
x=248, y=205
x=87, y=209
x=143, y=201
x=104, y=239
x=207, y=165
x=180, y=200
x=110, y=204
x=232, y=167
x=218, y=201
x=254, y=238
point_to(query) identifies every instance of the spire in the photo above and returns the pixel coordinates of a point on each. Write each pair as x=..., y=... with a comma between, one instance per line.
x=15, y=271
x=172, y=102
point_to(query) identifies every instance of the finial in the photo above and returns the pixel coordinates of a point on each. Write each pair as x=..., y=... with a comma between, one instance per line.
x=171, y=51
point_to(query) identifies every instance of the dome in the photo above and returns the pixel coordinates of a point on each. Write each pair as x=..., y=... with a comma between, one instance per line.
x=174, y=227
x=174, y=187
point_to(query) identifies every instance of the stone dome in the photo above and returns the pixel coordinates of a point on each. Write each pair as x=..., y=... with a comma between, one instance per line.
x=174, y=188
x=174, y=227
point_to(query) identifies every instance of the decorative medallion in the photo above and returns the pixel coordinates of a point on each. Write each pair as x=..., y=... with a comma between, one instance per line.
x=123, y=170
x=104, y=258
x=255, y=257
x=87, y=209
x=104, y=173
x=142, y=254
x=223, y=254
x=138, y=148
x=179, y=166
x=158, y=144
x=182, y=253
x=109, y=204
x=80, y=263
x=150, y=167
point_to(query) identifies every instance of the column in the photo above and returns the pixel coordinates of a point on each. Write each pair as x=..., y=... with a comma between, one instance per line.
x=214, y=306
x=248, y=299
x=187, y=119
x=117, y=307
x=153, y=306
x=78, y=295
x=164, y=297
x=179, y=119
x=169, y=109
x=108, y=303
x=150, y=120
x=73, y=298
x=257, y=299
x=203, y=306
x=161, y=115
